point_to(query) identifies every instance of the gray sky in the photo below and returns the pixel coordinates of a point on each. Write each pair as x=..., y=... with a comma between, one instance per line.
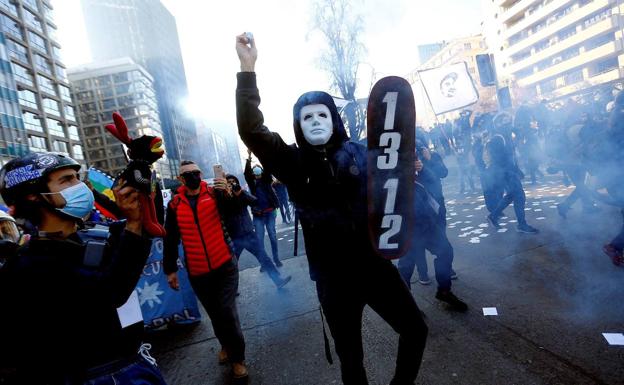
x=287, y=49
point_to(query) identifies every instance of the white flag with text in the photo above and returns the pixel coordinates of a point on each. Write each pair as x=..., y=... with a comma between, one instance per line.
x=449, y=88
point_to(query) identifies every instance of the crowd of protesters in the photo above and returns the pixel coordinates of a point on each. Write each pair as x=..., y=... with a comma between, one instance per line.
x=577, y=140
x=48, y=265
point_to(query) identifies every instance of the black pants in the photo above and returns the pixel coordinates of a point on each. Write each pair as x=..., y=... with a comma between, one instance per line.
x=381, y=287
x=435, y=240
x=514, y=192
x=577, y=176
x=216, y=291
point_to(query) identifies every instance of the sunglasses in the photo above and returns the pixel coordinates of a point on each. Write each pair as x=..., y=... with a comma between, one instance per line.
x=191, y=173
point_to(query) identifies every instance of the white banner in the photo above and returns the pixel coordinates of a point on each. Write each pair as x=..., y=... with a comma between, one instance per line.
x=449, y=88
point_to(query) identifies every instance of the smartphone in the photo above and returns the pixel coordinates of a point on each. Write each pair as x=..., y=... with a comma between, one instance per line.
x=218, y=171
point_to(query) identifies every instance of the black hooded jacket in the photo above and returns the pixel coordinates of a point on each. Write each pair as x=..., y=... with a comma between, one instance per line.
x=326, y=183
x=235, y=213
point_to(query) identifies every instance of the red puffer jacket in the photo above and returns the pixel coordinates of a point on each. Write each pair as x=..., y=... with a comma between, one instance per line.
x=201, y=232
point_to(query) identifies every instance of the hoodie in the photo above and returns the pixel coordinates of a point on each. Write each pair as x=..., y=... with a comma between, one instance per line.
x=326, y=183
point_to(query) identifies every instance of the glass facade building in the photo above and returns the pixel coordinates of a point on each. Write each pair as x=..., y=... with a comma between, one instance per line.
x=102, y=88
x=37, y=106
x=146, y=32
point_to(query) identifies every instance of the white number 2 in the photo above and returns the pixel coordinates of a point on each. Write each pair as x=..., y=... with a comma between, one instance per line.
x=393, y=223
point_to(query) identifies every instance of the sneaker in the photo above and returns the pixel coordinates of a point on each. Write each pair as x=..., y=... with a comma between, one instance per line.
x=562, y=210
x=454, y=303
x=281, y=282
x=424, y=280
x=453, y=275
x=614, y=254
x=223, y=357
x=278, y=263
x=525, y=228
x=239, y=370
x=493, y=221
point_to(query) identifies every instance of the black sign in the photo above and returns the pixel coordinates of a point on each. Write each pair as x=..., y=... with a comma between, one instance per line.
x=391, y=122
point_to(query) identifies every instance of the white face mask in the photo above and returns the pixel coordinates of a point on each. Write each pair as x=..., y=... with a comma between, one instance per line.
x=316, y=124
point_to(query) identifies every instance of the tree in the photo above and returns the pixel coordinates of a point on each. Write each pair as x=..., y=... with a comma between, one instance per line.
x=342, y=27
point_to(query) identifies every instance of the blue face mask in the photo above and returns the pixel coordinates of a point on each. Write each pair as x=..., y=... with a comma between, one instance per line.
x=79, y=201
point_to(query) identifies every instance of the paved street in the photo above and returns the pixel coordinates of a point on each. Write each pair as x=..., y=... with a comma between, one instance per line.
x=555, y=292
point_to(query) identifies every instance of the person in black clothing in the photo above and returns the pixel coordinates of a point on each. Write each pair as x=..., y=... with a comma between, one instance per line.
x=239, y=226
x=430, y=230
x=261, y=186
x=70, y=285
x=326, y=177
x=505, y=173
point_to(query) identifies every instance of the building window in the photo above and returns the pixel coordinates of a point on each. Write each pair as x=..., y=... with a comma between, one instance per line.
x=10, y=27
x=46, y=85
x=60, y=73
x=84, y=95
x=573, y=77
x=78, y=154
x=32, y=121
x=56, y=52
x=32, y=20
x=31, y=3
x=51, y=106
x=42, y=64
x=73, y=132
x=47, y=12
x=52, y=32
x=37, y=41
x=55, y=127
x=17, y=51
x=603, y=66
x=109, y=104
x=65, y=93
x=548, y=86
x=92, y=131
x=28, y=98
x=22, y=74
x=59, y=146
x=95, y=142
x=37, y=143
x=69, y=113
x=102, y=81
x=9, y=6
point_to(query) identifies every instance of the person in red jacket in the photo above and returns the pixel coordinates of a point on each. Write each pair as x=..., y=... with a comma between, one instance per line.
x=193, y=217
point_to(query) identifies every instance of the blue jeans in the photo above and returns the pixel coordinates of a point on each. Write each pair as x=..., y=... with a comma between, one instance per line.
x=139, y=372
x=267, y=220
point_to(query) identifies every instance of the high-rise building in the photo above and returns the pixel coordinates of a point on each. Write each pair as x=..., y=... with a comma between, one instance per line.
x=145, y=31
x=13, y=138
x=459, y=50
x=98, y=90
x=45, y=105
x=553, y=49
x=427, y=51
x=218, y=147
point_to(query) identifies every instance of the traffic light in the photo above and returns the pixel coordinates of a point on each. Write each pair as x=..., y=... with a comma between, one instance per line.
x=487, y=75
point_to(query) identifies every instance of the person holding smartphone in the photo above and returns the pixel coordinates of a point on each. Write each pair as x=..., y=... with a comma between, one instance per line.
x=193, y=218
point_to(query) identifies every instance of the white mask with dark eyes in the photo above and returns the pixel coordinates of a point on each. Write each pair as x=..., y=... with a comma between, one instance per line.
x=316, y=123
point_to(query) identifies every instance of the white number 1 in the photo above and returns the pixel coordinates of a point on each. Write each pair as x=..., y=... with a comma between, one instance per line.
x=391, y=100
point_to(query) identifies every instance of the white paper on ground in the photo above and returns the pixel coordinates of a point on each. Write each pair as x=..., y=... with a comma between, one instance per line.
x=614, y=338
x=490, y=311
x=130, y=312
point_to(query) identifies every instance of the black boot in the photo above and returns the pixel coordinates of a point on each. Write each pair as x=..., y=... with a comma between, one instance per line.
x=454, y=303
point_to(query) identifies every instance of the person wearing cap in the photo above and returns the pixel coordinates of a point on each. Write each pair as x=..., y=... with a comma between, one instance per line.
x=326, y=176
x=64, y=293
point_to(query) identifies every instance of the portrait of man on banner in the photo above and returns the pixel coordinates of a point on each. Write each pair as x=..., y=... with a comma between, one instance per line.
x=449, y=88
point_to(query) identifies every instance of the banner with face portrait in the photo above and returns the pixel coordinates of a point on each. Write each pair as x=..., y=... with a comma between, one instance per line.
x=449, y=88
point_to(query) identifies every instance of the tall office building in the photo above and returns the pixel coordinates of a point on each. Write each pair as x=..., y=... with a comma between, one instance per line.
x=102, y=88
x=145, y=31
x=555, y=49
x=45, y=106
x=218, y=147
